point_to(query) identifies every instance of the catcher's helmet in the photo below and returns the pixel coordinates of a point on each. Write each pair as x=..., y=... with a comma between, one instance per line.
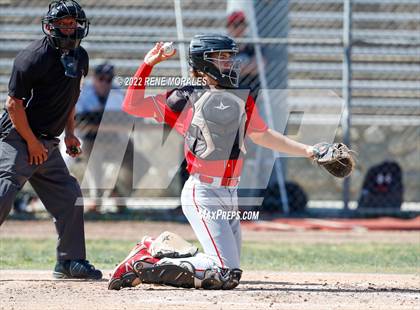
x=202, y=58
x=60, y=9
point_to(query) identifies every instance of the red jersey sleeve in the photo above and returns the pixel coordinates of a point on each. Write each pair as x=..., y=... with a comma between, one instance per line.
x=254, y=122
x=135, y=102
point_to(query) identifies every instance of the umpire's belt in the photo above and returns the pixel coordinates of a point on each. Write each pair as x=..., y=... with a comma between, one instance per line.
x=217, y=181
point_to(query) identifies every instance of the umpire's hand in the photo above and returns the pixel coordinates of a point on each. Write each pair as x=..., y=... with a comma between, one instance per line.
x=37, y=152
x=72, y=145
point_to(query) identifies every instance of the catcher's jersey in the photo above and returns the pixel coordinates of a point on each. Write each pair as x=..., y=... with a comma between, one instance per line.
x=176, y=108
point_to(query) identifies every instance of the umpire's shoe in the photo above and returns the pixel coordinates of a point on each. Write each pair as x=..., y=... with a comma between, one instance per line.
x=76, y=269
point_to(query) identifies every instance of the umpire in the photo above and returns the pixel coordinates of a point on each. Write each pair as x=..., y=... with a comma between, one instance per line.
x=43, y=90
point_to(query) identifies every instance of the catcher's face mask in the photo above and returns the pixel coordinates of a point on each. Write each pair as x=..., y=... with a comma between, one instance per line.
x=227, y=65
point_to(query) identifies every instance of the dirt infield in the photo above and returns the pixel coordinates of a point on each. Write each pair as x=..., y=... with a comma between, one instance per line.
x=258, y=290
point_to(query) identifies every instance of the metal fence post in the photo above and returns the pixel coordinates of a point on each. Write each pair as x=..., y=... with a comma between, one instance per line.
x=180, y=35
x=346, y=117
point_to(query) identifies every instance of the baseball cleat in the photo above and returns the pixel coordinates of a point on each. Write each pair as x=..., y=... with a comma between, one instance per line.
x=76, y=269
x=128, y=279
x=124, y=274
x=221, y=279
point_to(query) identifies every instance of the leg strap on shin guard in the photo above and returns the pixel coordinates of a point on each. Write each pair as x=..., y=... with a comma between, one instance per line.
x=172, y=275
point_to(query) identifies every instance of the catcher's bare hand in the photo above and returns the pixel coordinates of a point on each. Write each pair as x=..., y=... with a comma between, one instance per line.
x=157, y=55
x=336, y=158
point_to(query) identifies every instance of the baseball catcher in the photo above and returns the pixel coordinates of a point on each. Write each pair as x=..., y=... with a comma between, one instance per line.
x=214, y=119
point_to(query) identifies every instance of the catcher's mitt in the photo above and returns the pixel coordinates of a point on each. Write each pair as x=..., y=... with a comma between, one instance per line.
x=336, y=158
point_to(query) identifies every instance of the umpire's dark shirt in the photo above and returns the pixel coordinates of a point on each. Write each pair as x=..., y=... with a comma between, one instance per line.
x=38, y=79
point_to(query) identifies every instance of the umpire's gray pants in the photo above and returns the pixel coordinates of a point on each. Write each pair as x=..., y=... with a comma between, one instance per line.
x=56, y=188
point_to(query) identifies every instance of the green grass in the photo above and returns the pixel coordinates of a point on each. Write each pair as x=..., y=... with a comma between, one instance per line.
x=346, y=257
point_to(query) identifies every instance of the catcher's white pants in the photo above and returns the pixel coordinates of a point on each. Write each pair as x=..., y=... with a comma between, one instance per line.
x=212, y=211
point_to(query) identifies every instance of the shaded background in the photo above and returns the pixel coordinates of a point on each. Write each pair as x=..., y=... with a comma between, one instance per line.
x=302, y=42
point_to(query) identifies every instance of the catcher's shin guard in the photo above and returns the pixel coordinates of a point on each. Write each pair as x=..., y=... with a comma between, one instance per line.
x=124, y=274
x=182, y=275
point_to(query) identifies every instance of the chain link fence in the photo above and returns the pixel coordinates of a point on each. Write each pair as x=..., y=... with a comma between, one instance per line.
x=295, y=44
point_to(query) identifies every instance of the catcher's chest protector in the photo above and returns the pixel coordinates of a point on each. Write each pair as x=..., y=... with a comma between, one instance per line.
x=217, y=129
